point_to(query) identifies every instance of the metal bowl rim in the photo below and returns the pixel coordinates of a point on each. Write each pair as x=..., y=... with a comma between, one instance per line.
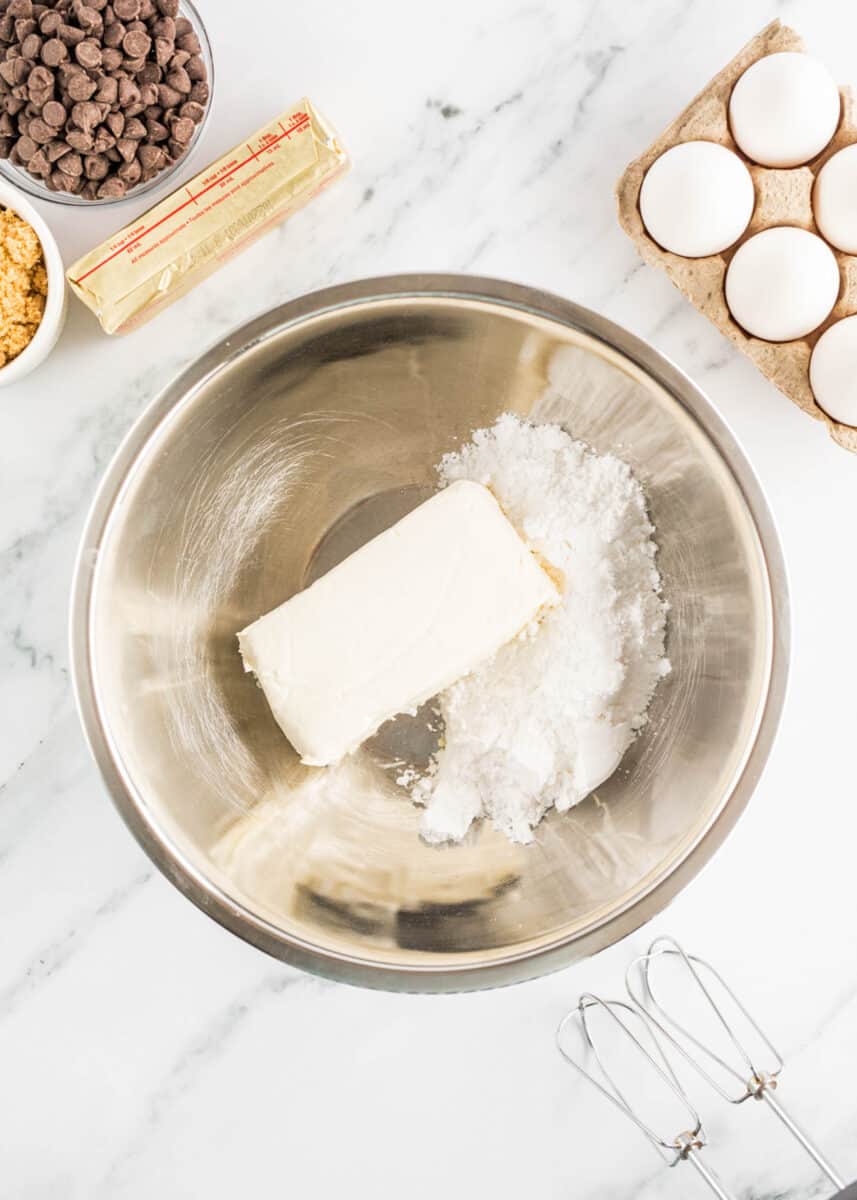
x=424, y=977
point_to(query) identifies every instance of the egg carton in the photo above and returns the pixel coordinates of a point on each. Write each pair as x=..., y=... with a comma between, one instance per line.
x=783, y=197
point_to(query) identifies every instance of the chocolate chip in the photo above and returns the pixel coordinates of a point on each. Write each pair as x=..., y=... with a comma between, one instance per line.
x=40, y=131
x=81, y=87
x=151, y=157
x=79, y=140
x=40, y=79
x=131, y=66
x=111, y=58
x=129, y=93
x=151, y=73
x=25, y=148
x=168, y=96
x=127, y=147
x=86, y=115
x=180, y=81
x=6, y=145
x=147, y=10
x=135, y=129
x=200, y=92
x=89, y=191
x=182, y=129
x=130, y=172
x=7, y=125
x=136, y=44
x=55, y=150
x=96, y=166
x=50, y=22
x=54, y=113
x=7, y=28
x=15, y=70
x=112, y=189
x=115, y=122
x=88, y=18
x=195, y=68
x=108, y=90
x=31, y=46
x=164, y=50
x=114, y=34
x=192, y=110
x=164, y=27
x=65, y=71
x=70, y=35
x=127, y=10
x=168, y=8
x=148, y=94
x=19, y=8
x=88, y=54
x=71, y=164
x=113, y=155
x=189, y=42
x=104, y=141
x=14, y=104
x=53, y=52
x=38, y=164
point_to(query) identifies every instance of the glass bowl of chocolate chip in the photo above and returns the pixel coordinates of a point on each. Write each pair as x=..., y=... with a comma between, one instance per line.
x=100, y=99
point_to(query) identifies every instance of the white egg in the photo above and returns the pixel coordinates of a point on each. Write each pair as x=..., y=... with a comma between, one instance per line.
x=833, y=371
x=835, y=200
x=697, y=199
x=782, y=283
x=784, y=109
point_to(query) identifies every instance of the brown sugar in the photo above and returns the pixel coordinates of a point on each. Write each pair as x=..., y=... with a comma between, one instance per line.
x=23, y=285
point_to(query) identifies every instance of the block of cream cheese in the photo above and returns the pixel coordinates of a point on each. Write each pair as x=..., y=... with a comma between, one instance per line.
x=402, y=618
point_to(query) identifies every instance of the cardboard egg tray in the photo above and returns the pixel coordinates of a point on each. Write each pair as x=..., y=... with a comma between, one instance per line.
x=783, y=197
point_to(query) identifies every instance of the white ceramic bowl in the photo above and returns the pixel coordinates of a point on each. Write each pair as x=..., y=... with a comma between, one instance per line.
x=53, y=319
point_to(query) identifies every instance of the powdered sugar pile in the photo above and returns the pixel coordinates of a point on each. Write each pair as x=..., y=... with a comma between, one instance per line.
x=549, y=717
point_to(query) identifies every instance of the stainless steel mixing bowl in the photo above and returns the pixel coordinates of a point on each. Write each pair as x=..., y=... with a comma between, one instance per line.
x=275, y=455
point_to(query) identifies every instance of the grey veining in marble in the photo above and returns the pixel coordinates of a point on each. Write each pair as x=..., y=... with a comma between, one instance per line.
x=144, y=1051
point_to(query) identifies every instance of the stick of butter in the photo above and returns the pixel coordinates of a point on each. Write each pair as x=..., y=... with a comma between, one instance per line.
x=396, y=622
x=160, y=256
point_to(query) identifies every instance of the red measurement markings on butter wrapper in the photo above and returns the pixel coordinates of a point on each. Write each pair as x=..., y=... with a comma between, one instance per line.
x=182, y=239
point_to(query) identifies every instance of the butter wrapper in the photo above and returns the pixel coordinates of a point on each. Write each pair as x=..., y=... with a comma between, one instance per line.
x=156, y=259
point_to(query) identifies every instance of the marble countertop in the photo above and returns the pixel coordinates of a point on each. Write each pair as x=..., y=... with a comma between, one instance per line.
x=143, y=1050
